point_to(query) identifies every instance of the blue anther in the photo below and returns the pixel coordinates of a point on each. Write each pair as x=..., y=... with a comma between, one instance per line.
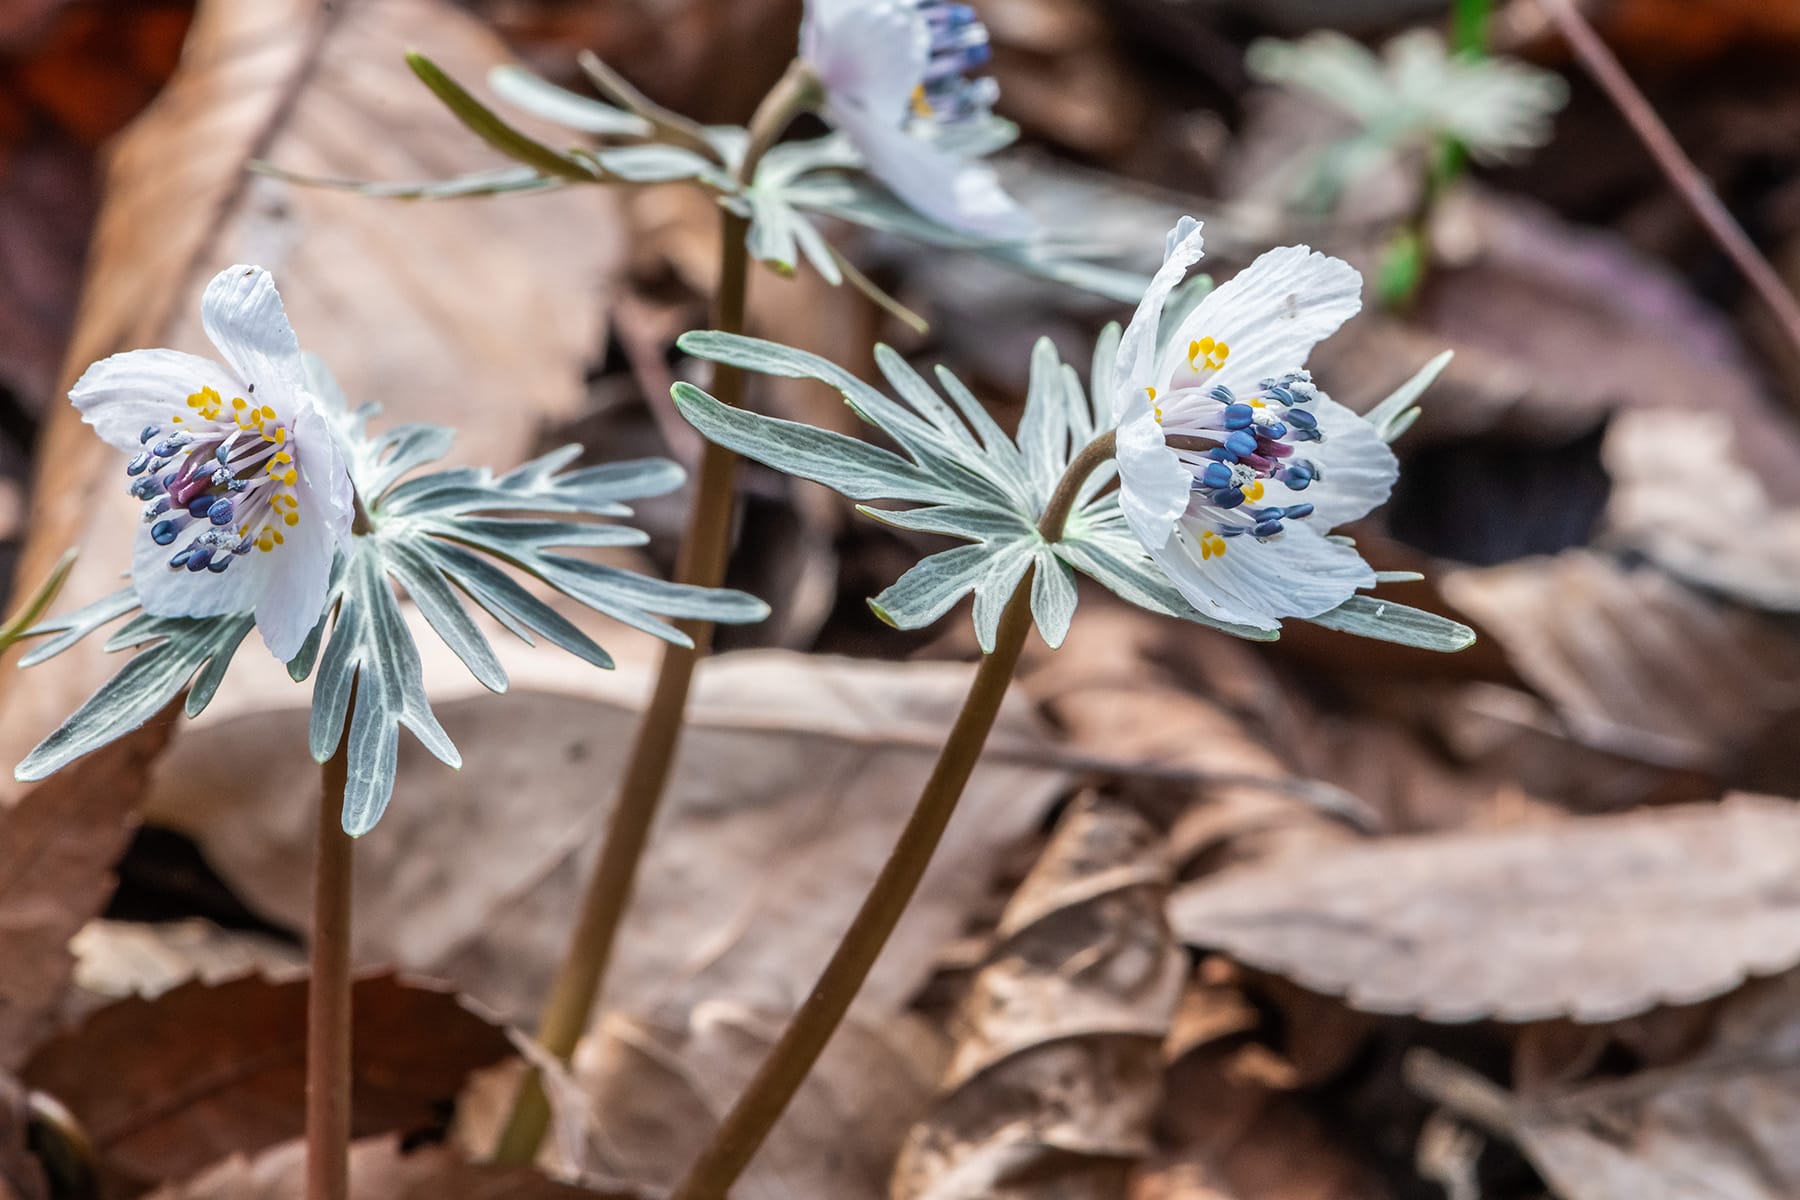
x=1308, y=435
x=156, y=508
x=1300, y=418
x=1241, y=443
x=1221, y=454
x=167, y=447
x=223, y=452
x=1279, y=394
x=198, y=506
x=243, y=546
x=220, y=511
x=1263, y=529
x=1221, y=393
x=1230, y=531
x=1274, y=430
x=182, y=557
x=1273, y=512
x=1216, y=475
x=163, y=532
x=198, y=557
x=1237, y=416
x=150, y=431
x=218, y=565
x=1228, y=497
x=138, y=465
x=1296, y=511
x=146, y=486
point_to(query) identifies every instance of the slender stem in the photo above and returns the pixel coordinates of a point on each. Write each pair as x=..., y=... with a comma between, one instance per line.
x=328, y=990
x=1680, y=170
x=1470, y=22
x=754, y=1114
x=701, y=561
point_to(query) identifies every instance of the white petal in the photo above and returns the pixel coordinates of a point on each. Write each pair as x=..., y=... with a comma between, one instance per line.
x=1153, y=485
x=291, y=603
x=167, y=591
x=1299, y=574
x=1356, y=468
x=1271, y=315
x=1194, y=579
x=243, y=316
x=120, y=395
x=1134, y=368
x=962, y=194
x=870, y=56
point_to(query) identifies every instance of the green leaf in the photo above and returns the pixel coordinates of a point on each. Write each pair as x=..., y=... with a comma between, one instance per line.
x=857, y=469
x=541, y=98
x=492, y=129
x=178, y=648
x=1395, y=415
x=496, y=182
x=31, y=610
x=1386, y=621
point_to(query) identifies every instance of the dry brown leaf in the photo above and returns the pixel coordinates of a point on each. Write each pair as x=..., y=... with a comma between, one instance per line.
x=166, y=1086
x=1739, y=542
x=482, y=315
x=647, y=1094
x=1224, y=1135
x=378, y=1168
x=116, y=959
x=1595, y=919
x=795, y=776
x=1056, y=1073
x=57, y=850
x=1634, y=662
x=1717, y=1127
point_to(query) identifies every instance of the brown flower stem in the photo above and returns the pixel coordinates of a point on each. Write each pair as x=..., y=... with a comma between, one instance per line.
x=328, y=989
x=1688, y=181
x=701, y=561
x=744, y=1128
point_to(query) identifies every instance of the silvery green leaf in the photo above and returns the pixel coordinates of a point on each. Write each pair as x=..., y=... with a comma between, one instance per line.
x=787, y=161
x=496, y=182
x=773, y=238
x=863, y=202
x=1386, y=621
x=491, y=128
x=959, y=475
x=71, y=627
x=178, y=649
x=22, y=624
x=371, y=655
x=541, y=98
x=1395, y=415
x=661, y=164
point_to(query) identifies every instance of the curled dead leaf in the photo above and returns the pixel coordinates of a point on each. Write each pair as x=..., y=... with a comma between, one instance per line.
x=1057, y=1068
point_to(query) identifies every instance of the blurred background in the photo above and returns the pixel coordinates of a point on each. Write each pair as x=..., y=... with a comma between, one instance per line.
x=1320, y=919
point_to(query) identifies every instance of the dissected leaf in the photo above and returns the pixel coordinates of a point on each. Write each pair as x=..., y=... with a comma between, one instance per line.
x=203, y=1072
x=1592, y=919
x=964, y=476
x=472, y=303
x=1057, y=1070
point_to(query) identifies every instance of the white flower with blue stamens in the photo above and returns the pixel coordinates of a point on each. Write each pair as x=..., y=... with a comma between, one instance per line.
x=895, y=76
x=246, y=496
x=1233, y=464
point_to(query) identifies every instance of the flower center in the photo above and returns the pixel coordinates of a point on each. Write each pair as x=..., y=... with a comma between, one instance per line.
x=1234, y=443
x=959, y=44
x=229, y=465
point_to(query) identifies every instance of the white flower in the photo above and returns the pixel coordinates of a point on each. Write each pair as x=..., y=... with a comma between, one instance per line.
x=894, y=74
x=1232, y=463
x=246, y=498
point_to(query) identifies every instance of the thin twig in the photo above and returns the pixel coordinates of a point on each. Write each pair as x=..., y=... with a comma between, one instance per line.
x=1687, y=178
